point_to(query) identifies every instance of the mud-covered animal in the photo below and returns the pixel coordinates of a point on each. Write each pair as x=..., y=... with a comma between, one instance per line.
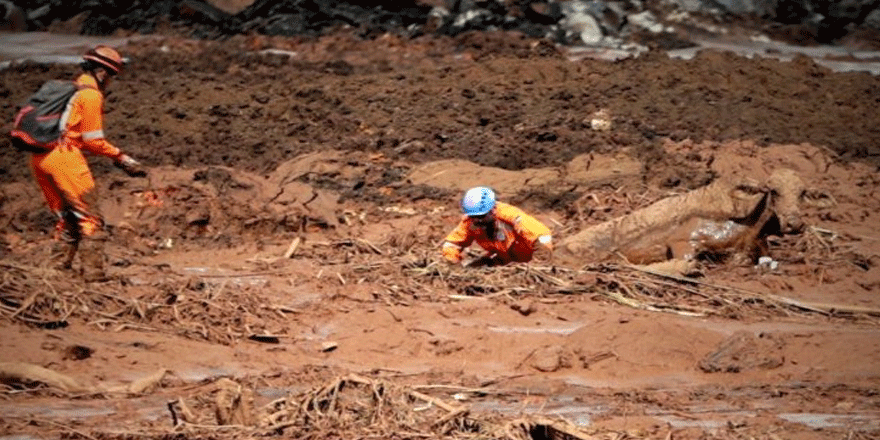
x=729, y=217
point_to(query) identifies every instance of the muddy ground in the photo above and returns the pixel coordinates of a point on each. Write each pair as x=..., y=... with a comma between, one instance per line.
x=288, y=236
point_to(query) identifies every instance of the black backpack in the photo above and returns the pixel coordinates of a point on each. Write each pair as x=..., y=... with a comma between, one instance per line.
x=37, y=127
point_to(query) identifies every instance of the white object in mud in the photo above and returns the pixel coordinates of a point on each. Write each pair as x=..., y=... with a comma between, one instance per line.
x=768, y=262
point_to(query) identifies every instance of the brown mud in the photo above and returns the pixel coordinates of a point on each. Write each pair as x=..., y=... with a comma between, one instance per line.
x=288, y=235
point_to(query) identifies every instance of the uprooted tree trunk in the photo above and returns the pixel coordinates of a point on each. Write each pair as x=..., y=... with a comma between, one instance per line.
x=726, y=216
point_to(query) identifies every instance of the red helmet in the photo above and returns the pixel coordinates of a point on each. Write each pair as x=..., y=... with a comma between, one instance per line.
x=106, y=57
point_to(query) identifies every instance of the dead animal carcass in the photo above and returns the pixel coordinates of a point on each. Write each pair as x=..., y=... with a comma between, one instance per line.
x=729, y=217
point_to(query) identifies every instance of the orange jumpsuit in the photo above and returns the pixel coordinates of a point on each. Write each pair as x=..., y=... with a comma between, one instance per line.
x=516, y=236
x=63, y=173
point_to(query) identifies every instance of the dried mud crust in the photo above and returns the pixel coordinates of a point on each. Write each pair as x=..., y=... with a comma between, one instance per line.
x=288, y=236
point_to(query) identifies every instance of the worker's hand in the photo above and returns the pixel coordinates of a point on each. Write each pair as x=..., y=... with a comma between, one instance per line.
x=543, y=249
x=452, y=260
x=131, y=167
x=488, y=260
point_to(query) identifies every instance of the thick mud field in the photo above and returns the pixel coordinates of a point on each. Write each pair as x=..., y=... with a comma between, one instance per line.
x=278, y=273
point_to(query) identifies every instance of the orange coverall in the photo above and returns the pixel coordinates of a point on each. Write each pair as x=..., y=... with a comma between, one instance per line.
x=63, y=173
x=515, y=238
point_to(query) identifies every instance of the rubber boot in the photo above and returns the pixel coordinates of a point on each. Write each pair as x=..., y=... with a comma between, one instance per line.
x=67, y=240
x=93, y=260
x=62, y=254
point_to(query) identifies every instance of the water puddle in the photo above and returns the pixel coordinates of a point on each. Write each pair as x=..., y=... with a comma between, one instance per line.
x=836, y=58
x=706, y=417
x=681, y=422
x=558, y=330
x=41, y=47
x=731, y=327
x=218, y=277
x=198, y=375
x=571, y=408
x=863, y=422
x=566, y=407
x=63, y=411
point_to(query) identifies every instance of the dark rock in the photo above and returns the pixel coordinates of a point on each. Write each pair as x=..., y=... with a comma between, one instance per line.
x=569, y=22
x=13, y=17
x=201, y=12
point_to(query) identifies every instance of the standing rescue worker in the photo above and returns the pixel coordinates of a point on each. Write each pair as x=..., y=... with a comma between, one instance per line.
x=505, y=232
x=64, y=175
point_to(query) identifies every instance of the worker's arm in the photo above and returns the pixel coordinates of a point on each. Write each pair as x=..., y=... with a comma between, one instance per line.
x=544, y=241
x=91, y=123
x=88, y=117
x=543, y=247
x=529, y=228
x=456, y=241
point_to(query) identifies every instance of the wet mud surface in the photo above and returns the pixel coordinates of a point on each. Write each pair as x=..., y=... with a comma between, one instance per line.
x=288, y=235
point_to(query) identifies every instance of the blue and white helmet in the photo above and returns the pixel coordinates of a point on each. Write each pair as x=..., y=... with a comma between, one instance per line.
x=478, y=201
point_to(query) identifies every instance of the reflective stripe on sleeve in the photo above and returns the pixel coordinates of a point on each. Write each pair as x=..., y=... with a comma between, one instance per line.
x=92, y=135
x=452, y=245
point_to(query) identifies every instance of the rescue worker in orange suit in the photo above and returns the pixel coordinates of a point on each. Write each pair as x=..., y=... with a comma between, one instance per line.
x=505, y=232
x=64, y=175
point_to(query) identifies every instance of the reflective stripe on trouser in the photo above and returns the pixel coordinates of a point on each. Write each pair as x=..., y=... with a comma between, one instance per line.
x=73, y=226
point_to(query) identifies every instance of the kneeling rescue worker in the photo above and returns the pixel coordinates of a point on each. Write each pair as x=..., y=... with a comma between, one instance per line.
x=63, y=172
x=506, y=232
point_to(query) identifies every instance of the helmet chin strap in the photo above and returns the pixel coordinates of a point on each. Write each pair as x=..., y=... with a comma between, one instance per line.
x=104, y=80
x=102, y=77
x=491, y=229
x=489, y=224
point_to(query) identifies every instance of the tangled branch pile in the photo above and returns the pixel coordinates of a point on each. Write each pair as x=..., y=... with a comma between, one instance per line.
x=631, y=286
x=356, y=407
x=47, y=298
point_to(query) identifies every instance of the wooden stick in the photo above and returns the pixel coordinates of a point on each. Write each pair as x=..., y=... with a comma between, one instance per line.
x=75, y=431
x=434, y=401
x=451, y=415
x=292, y=248
x=27, y=303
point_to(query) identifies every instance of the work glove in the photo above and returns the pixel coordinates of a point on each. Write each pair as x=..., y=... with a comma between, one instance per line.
x=131, y=167
x=543, y=249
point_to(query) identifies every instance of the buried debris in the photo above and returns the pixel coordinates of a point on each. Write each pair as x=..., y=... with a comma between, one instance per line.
x=359, y=405
x=234, y=403
x=40, y=297
x=356, y=407
x=744, y=351
x=632, y=286
x=25, y=375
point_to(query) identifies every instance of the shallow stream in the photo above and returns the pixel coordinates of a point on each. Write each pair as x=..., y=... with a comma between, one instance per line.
x=42, y=47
